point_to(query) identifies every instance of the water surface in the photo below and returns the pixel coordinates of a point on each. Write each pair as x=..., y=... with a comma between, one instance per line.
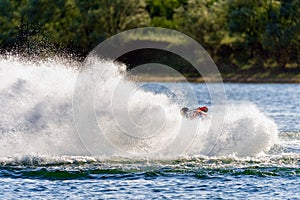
x=40, y=158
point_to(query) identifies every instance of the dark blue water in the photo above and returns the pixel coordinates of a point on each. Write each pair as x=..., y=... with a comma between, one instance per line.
x=275, y=176
x=279, y=101
x=26, y=171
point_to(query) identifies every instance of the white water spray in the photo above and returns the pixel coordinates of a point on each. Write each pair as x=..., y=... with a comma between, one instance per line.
x=36, y=117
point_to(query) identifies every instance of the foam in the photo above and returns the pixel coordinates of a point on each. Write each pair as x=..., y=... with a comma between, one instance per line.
x=37, y=117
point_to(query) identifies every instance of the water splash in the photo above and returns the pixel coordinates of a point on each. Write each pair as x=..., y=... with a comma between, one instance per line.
x=36, y=117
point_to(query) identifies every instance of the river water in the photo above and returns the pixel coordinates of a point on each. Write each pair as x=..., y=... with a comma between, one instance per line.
x=257, y=155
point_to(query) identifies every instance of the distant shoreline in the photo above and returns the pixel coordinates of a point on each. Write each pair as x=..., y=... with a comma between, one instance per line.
x=236, y=78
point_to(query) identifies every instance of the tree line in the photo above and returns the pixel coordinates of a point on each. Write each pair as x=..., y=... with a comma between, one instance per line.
x=238, y=34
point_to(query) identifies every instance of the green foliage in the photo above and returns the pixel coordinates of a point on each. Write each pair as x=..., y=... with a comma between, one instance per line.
x=78, y=25
x=246, y=20
x=270, y=30
x=203, y=20
x=162, y=12
x=206, y=22
x=281, y=36
x=9, y=27
x=238, y=34
x=110, y=17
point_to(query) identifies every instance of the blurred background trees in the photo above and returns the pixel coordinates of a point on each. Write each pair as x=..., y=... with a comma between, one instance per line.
x=238, y=34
